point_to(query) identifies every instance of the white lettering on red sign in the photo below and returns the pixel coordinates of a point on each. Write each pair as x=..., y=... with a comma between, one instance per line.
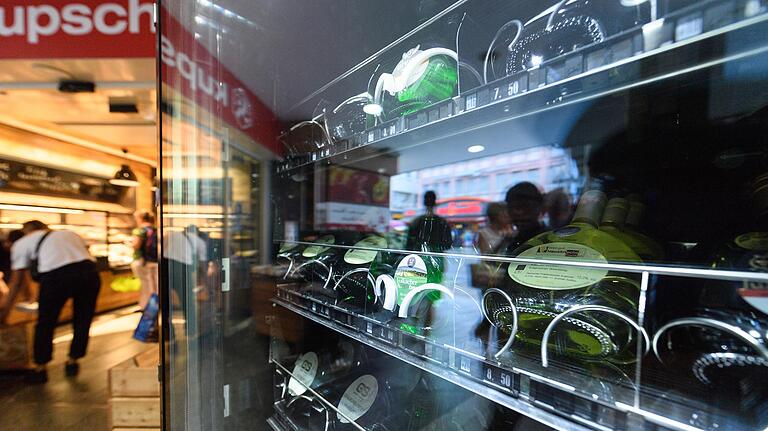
x=75, y=19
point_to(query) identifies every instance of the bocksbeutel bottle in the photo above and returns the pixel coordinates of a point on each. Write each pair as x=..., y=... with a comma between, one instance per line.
x=355, y=273
x=315, y=368
x=365, y=396
x=543, y=291
x=720, y=334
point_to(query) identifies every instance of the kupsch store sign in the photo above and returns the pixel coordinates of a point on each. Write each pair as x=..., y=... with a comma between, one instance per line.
x=94, y=29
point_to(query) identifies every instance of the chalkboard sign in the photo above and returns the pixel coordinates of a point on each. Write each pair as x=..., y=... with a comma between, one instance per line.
x=32, y=179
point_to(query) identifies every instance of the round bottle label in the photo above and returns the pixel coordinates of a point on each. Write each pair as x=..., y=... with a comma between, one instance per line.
x=358, y=398
x=757, y=241
x=410, y=274
x=557, y=277
x=314, y=250
x=304, y=373
x=362, y=257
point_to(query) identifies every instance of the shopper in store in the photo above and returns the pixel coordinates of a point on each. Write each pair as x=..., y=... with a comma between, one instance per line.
x=525, y=205
x=26, y=301
x=559, y=208
x=144, y=265
x=497, y=228
x=429, y=231
x=185, y=259
x=59, y=260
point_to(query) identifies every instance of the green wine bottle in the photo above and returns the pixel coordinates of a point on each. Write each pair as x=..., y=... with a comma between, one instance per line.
x=543, y=291
x=354, y=279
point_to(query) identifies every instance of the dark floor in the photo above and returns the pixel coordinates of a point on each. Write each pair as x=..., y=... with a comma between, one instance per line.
x=80, y=403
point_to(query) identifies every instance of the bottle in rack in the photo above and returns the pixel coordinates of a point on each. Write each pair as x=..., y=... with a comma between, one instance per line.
x=313, y=369
x=365, y=396
x=427, y=233
x=354, y=278
x=543, y=291
x=721, y=334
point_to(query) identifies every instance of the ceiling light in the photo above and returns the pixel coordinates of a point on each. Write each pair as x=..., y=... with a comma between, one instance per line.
x=30, y=208
x=125, y=176
x=476, y=148
x=630, y=3
x=373, y=109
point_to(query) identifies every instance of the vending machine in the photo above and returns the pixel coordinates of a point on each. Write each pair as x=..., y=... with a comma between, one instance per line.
x=464, y=214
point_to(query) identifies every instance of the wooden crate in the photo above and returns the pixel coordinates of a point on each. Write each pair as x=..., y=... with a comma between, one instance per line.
x=134, y=412
x=134, y=392
x=136, y=377
x=16, y=346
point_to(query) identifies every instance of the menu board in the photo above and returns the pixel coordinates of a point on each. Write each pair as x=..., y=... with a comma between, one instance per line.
x=33, y=179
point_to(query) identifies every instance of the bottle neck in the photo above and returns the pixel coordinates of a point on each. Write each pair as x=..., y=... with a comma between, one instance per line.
x=590, y=208
x=634, y=213
x=615, y=213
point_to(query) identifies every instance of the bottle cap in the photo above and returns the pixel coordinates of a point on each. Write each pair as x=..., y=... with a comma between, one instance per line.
x=590, y=208
x=615, y=212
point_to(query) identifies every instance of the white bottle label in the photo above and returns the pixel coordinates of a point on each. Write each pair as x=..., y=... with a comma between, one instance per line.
x=304, y=373
x=557, y=277
x=410, y=274
x=314, y=250
x=756, y=241
x=362, y=257
x=358, y=398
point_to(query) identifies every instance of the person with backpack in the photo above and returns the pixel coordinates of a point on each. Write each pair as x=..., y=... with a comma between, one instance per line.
x=60, y=261
x=144, y=265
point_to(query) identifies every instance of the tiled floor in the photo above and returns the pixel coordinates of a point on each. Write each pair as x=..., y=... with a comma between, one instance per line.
x=65, y=404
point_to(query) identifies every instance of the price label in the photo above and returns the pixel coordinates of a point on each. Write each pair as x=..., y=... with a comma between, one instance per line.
x=506, y=380
x=471, y=102
x=371, y=136
x=689, y=26
x=464, y=364
x=369, y=328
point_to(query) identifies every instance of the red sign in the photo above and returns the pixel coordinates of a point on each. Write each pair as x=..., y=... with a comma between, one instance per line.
x=357, y=187
x=461, y=207
x=76, y=29
x=189, y=68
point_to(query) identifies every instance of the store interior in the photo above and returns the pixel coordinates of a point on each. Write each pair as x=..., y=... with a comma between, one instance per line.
x=68, y=128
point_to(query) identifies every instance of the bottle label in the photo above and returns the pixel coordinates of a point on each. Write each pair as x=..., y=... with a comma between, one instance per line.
x=557, y=277
x=358, y=398
x=304, y=373
x=410, y=274
x=757, y=241
x=287, y=247
x=755, y=292
x=362, y=257
x=314, y=250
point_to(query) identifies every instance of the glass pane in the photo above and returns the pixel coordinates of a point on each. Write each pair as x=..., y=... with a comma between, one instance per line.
x=466, y=214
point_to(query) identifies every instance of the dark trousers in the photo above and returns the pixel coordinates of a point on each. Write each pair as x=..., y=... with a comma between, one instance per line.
x=79, y=281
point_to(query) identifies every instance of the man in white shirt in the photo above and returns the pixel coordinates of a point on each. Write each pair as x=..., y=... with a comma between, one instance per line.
x=66, y=270
x=185, y=256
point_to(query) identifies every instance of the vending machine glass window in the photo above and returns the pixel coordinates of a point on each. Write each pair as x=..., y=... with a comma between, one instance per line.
x=464, y=215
